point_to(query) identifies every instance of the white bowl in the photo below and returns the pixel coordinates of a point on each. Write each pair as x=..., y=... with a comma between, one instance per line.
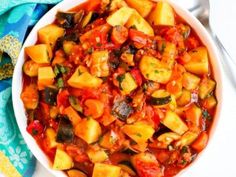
x=49, y=18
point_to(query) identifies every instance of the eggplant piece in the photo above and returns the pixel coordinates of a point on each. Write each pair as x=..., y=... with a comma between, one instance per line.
x=65, y=132
x=160, y=97
x=68, y=37
x=122, y=110
x=50, y=96
x=65, y=19
x=74, y=102
x=89, y=18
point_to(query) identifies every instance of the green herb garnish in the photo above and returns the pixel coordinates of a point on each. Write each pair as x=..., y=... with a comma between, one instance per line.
x=60, y=83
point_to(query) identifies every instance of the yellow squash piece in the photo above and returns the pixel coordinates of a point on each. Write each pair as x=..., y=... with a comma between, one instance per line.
x=139, y=131
x=89, y=130
x=97, y=156
x=83, y=79
x=169, y=54
x=199, y=63
x=128, y=84
x=99, y=63
x=206, y=87
x=143, y=7
x=106, y=170
x=140, y=24
x=174, y=123
x=190, y=81
x=49, y=34
x=30, y=68
x=185, y=98
x=120, y=17
x=45, y=77
x=187, y=139
x=62, y=161
x=154, y=70
x=51, y=137
x=75, y=173
x=163, y=14
x=40, y=53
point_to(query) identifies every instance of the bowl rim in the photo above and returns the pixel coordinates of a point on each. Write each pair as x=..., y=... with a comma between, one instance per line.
x=48, y=18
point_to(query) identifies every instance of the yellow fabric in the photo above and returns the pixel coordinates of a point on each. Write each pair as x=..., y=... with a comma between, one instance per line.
x=6, y=167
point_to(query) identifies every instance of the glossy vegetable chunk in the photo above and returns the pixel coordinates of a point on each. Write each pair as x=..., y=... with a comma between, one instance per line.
x=62, y=160
x=121, y=109
x=206, y=87
x=76, y=173
x=163, y=14
x=30, y=96
x=50, y=95
x=160, y=97
x=143, y=7
x=65, y=132
x=51, y=138
x=30, y=68
x=190, y=81
x=101, y=170
x=99, y=63
x=97, y=156
x=127, y=83
x=72, y=115
x=45, y=77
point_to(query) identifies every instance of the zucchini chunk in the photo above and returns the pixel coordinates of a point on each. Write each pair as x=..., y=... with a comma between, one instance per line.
x=187, y=139
x=120, y=17
x=65, y=19
x=90, y=17
x=206, y=87
x=167, y=138
x=30, y=68
x=74, y=102
x=72, y=115
x=127, y=83
x=160, y=97
x=49, y=34
x=50, y=96
x=62, y=160
x=65, y=133
x=97, y=156
x=199, y=63
x=122, y=110
x=89, y=130
x=174, y=122
x=139, y=131
x=106, y=170
x=76, y=173
x=185, y=98
x=143, y=7
x=154, y=70
x=163, y=14
x=190, y=81
x=40, y=53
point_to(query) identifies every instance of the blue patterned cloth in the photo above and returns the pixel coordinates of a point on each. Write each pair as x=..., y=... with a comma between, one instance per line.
x=16, y=18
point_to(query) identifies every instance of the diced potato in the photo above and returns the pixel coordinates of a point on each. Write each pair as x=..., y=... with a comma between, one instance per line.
x=128, y=58
x=174, y=122
x=185, y=98
x=51, y=137
x=89, y=130
x=143, y=7
x=72, y=115
x=116, y=4
x=209, y=102
x=168, y=138
x=83, y=79
x=152, y=69
x=120, y=17
x=40, y=53
x=99, y=63
x=30, y=68
x=206, y=87
x=199, y=61
x=128, y=84
x=140, y=24
x=163, y=14
x=139, y=131
x=76, y=173
x=45, y=77
x=107, y=141
x=169, y=53
x=193, y=115
x=49, y=34
x=190, y=81
x=62, y=160
x=97, y=156
x=187, y=139
x=30, y=96
x=67, y=46
x=106, y=170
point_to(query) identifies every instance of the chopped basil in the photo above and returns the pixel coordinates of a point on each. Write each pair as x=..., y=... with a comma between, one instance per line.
x=90, y=50
x=138, y=134
x=56, y=70
x=184, y=150
x=60, y=83
x=206, y=115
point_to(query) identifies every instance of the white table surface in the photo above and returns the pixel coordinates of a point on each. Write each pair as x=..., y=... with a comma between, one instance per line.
x=220, y=155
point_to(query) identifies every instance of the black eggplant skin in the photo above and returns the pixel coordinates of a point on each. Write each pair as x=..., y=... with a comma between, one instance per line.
x=50, y=96
x=122, y=110
x=65, y=132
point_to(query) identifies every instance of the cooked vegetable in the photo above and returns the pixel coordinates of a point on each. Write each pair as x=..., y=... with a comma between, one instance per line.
x=127, y=166
x=40, y=53
x=152, y=69
x=49, y=34
x=122, y=110
x=99, y=63
x=199, y=61
x=74, y=102
x=201, y=142
x=101, y=170
x=120, y=17
x=185, y=98
x=72, y=115
x=65, y=19
x=190, y=81
x=187, y=139
x=94, y=108
x=206, y=87
x=119, y=34
x=160, y=97
x=139, y=131
x=65, y=132
x=83, y=79
x=62, y=160
x=140, y=24
x=51, y=137
x=97, y=156
x=169, y=54
x=163, y=14
x=45, y=77
x=67, y=46
x=50, y=96
x=209, y=102
x=76, y=173
x=127, y=83
x=89, y=130
x=30, y=96
x=143, y=7
x=174, y=122
x=128, y=58
x=168, y=138
x=30, y=68
x=87, y=19
x=193, y=115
